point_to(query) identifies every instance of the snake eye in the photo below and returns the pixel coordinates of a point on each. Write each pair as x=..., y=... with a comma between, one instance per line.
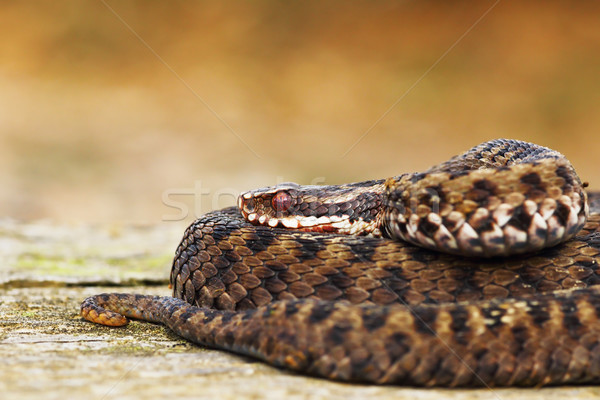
x=281, y=201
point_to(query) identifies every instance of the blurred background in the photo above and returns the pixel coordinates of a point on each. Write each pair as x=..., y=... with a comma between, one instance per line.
x=148, y=111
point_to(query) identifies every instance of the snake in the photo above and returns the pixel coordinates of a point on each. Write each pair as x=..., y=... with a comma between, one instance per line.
x=481, y=271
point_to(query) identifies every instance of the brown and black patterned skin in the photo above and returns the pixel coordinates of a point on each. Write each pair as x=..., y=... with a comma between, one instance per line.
x=376, y=310
x=500, y=198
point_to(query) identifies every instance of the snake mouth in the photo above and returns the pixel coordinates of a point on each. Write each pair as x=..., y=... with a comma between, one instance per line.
x=330, y=209
x=302, y=223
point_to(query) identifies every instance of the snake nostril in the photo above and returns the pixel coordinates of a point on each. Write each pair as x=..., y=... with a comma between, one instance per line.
x=249, y=206
x=281, y=201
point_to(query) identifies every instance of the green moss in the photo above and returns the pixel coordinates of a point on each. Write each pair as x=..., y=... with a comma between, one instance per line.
x=82, y=267
x=28, y=314
x=53, y=265
x=140, y=264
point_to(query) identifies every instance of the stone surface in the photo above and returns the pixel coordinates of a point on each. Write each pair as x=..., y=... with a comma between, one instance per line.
x=41, y=254
x=49, y=352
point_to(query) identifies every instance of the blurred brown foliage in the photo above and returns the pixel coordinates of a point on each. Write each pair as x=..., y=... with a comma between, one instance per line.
x=109, y=108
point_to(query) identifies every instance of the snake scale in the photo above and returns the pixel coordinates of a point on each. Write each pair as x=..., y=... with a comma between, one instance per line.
x=480, y=271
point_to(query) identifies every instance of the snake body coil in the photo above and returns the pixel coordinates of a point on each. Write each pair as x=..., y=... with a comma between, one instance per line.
x=313, y=279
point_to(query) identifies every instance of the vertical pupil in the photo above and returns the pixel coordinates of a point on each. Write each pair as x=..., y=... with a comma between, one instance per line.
x=281, y=201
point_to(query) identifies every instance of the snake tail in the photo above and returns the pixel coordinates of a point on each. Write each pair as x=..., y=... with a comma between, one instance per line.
x=548, y=340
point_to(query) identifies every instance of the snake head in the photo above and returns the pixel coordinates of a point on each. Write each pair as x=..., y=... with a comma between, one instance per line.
x=271, y=205
x=352, y=209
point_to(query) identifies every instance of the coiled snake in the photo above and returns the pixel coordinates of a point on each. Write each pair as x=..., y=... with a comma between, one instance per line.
x=313, y=279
